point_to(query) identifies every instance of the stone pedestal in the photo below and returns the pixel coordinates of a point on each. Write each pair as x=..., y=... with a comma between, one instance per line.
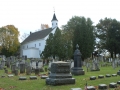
x=60, y=74
x=77, y=69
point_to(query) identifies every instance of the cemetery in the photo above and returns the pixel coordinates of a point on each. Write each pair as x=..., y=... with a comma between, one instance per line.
x=32, y=74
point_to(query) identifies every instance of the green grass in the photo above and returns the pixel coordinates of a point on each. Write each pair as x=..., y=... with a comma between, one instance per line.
x=13, y=83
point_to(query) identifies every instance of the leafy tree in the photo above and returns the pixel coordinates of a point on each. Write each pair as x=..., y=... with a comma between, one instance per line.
x=67, y=45
x=80, y=31
x=48, y=50
x=56, y=46
x=53, y=46
x=108, y=31
x=9, y=40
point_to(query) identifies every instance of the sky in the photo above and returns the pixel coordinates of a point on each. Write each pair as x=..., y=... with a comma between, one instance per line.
x=28, y=15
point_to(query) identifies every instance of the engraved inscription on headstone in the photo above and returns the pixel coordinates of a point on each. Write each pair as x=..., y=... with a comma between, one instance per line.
x=60, y=74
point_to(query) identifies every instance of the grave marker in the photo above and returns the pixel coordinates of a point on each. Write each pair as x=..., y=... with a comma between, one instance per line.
x=77, y=69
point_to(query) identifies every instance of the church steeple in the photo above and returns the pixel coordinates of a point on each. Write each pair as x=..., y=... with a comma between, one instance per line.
x=54, y=21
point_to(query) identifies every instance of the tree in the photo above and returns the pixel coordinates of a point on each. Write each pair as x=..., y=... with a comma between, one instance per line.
x=24, y=36
x=67, y=45
x=9, y=40
x=108, y=31
x=80, y=31
x=48, y=50
x=57, y=46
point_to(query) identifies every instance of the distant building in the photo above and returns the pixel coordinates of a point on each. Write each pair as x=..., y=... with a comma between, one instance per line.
x=35, y=43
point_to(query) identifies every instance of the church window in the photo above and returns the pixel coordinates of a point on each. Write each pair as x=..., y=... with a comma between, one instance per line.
x=39, y=44
x=35, y=45
x=27, y=46
x=56, y=23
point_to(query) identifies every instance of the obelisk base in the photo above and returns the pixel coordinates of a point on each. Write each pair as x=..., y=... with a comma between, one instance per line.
x=77, y=71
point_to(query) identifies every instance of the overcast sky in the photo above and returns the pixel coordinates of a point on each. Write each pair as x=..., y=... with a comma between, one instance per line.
x=28, y=15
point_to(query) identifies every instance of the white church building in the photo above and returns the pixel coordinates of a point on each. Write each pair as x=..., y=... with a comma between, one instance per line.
x=35, y=43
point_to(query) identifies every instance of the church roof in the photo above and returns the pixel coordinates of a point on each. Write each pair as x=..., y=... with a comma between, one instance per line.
x=38, y=35
x=54, y=17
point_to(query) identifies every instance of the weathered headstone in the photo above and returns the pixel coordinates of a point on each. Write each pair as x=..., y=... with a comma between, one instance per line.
x=28, y=70
x=1, y=67
x=22, y=67
x=77, y=69
x=3, y=63
x=60, y=74
x=13, y=67
x=33, y=64
x=8, y=62
x=37, y=71
x=72, y=64
x=40, y=64
x=16, y=72
x=95, y=65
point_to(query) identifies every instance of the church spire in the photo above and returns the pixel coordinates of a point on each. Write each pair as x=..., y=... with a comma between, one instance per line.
x=54, y=21
x=54, y=18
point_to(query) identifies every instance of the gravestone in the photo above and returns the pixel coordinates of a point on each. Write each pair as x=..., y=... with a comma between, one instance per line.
x=17, y=64
x=22, y=67
x=60, y=74
x=28, y=70
x=16, y=72
x=72, y=64
x=37, y=71
x=95, y=65
x=77, y=69
x=49, y=65
x=13, y=67
x=8, y=62
x=33, y=64
x=118, y=73
x=3, y=63
x=1, y=67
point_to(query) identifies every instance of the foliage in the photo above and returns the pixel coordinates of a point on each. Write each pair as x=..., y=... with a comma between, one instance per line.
x=9, y=40
x=48, y=50
x=57, y=46
x=108, y=31
x=80, y=31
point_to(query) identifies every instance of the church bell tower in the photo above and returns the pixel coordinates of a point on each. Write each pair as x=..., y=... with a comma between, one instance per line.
x=54, y=21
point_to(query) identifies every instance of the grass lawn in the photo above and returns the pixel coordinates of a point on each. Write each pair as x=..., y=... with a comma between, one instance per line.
x=12, y=83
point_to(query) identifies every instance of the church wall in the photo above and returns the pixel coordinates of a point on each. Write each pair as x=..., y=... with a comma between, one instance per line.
x=40, y=44
x=31, y=53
